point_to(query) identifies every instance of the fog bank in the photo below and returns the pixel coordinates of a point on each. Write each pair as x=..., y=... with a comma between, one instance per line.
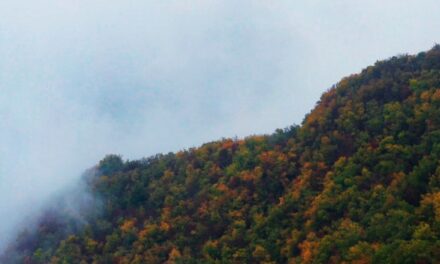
x=81, y=79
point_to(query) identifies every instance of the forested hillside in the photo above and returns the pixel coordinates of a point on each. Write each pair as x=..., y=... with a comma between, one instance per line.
x=357, y=182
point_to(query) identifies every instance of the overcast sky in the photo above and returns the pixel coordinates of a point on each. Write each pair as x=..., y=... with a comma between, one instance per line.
x=83, y=78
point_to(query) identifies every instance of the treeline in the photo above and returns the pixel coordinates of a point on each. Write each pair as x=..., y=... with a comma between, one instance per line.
x=357, y=182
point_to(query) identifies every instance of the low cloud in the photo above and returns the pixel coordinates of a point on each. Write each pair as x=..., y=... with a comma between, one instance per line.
x=81, y=79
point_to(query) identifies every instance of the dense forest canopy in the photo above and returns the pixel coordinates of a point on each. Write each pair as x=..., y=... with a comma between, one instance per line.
x=357, y=182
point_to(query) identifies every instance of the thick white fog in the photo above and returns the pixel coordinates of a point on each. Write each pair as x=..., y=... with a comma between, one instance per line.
x=80, y=79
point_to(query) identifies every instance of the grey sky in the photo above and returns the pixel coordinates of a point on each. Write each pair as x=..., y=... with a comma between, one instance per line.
x=80, y=78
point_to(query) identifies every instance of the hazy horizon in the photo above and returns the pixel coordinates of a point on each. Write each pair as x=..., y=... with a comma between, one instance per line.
x=81, y=79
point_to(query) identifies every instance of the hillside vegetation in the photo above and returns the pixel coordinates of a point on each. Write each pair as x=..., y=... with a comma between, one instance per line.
x=357, y=182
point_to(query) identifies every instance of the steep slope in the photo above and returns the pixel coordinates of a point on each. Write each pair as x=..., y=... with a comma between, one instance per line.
x=358, y=181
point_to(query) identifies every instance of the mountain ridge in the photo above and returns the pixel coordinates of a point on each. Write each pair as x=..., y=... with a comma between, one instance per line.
x=357, y=182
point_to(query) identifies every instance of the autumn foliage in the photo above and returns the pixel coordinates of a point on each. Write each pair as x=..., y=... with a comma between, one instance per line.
x=357, y=182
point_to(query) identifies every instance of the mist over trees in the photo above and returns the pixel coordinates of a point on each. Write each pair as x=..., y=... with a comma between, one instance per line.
x=357, y=182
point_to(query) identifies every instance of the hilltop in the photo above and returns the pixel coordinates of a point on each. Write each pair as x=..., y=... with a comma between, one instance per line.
x=357, y=182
